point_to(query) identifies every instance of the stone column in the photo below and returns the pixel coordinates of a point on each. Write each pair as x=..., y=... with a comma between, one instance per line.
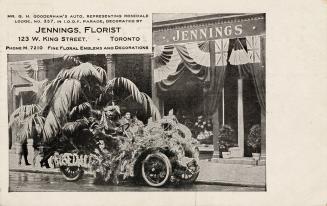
x=240, y=116
x=111, y=66
x=41, y=75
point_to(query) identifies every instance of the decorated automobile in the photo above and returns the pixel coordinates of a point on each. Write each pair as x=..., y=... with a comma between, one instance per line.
x=161, y=152
x=78, y=119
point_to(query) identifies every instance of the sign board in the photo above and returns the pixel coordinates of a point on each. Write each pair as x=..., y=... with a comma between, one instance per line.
x=208, y=31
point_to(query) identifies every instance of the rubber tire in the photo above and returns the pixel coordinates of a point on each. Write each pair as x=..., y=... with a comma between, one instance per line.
x=72, y=179
x=165, y=159
x=190, y=180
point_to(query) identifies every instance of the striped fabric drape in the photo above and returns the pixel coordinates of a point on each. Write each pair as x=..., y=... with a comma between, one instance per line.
x=174, y=62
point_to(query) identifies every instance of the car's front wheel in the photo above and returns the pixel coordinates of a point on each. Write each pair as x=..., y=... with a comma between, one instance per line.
x=156, y=169
x=72, y=173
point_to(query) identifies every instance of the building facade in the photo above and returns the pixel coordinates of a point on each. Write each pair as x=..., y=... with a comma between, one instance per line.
x=211, y=68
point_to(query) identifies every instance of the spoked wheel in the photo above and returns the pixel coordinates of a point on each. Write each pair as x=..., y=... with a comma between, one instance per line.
x=188, y=178
x=72, y=173
x=190, y=174
x=156, y=169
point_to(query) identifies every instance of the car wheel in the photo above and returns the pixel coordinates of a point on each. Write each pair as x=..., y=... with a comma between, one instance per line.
x=156, y=169
x=71, y=173
x=187, y=178
x=190, y=174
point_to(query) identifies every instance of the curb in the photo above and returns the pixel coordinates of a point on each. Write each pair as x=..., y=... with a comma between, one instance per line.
x=198, y=182
x=203, y=182
x=35, y=171
x=52, y=171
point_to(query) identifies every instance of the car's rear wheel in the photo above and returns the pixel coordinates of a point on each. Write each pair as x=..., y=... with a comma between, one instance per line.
x=156, y=169
x=72, y=173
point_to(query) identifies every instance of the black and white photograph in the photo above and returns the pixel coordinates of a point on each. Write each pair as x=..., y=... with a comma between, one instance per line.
x=139, y=102
x=190, y=116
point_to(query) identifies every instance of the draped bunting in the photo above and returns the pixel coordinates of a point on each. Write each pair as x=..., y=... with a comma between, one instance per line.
x=26, y=72
x=177, y=80
x=198, y=70
x=179, y=63
x=187, y=68
x=28, y=69
x=167, y=59
x=238, y=56
x=199, y=56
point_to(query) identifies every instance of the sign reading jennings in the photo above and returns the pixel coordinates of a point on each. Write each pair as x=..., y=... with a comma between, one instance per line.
x=200, y=32
x=78, y=33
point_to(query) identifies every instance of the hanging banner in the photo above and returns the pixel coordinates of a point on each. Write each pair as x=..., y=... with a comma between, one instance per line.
x=221, y=50
x=253, y=47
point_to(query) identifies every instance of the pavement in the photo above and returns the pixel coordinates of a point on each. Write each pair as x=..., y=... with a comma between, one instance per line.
x=231, y=174
x=40, y=182
x=211, y=172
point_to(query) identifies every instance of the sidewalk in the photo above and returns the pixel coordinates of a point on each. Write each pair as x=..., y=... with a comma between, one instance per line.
x=210, y=173
x=231, y=174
